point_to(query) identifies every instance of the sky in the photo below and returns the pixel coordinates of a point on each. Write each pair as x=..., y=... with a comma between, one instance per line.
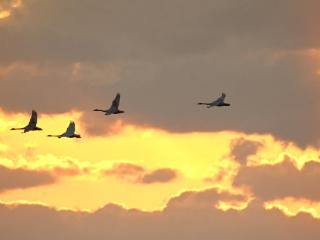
x=167, y=168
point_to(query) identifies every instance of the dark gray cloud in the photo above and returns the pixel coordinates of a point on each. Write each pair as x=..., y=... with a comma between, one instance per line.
x=176, y=222
x=22, y=178
x=113, y=29
x=271, y=182
x=164, y=57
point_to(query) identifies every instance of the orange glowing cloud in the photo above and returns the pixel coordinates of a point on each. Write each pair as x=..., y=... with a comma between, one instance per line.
x=293, y=206
x=4, y=14
x=97, y=165
x=6, y=8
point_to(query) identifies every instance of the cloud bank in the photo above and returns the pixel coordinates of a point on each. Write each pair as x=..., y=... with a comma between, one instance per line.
x=191, y=51
x=22, y=178
x=282, y=180
x=177, y=221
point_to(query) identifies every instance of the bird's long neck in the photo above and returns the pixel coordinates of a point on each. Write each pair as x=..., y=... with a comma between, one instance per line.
x=99, y=110
x=17, y=128
x=54, y=135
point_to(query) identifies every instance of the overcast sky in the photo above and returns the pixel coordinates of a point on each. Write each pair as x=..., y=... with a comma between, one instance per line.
x=164, y=57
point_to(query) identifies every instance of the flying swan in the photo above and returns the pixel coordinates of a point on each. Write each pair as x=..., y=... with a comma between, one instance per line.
x=219, y=102
x=32, y=125
x=69, y=133
x=114, y=108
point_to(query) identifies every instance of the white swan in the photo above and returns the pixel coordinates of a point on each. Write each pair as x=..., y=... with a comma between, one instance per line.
x=219, y=102
x=32, y=125
x=114, y=108
x=69, y=133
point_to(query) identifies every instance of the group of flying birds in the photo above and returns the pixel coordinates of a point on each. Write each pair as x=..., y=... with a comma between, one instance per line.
x=113, y=109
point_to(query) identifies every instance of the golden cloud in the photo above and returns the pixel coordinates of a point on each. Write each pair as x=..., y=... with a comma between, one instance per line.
x=99, y=164
x=7, y=6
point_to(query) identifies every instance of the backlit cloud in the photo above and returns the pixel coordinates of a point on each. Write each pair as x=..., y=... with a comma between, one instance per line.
x=115, y=222
x=271, y=182
x=138, y=174
x=241, y=149
x=109, y=166
x=125, y=171
x=21, y=178
x=159, y=176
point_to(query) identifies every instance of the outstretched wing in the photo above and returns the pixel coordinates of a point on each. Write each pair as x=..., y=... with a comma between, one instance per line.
x=219, y=100
x=33, y=119
x=116, y=102
x=222, y=97
x=71, y=129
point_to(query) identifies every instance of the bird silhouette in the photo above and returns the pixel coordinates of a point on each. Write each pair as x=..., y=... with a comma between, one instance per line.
x=114, y=108
x=32, y=125
x=69, y=133
x=219, y=102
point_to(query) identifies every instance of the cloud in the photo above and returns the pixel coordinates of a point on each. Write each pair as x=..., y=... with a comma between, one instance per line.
x=99, y=125
x=242, y=148
x=71, y=81
x=202, y=199
x=60, y=171
x=163, y=175
x=155, y=48
x=29, y=161
x=177, y=28
x=7, y=6
x=138, y=174
x=125, y=171
x=22, y=178
x=271, y=182
x=191, y=222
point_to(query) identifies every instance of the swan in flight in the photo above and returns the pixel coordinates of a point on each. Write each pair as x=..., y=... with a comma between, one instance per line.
x=219, y=102
x=114, y=108
x=32, y=125
x=69, y=133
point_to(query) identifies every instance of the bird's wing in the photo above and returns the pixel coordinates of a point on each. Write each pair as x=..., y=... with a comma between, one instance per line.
x=33, y=119
x=221, y=98
x=71, y=129
x=116, y=102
